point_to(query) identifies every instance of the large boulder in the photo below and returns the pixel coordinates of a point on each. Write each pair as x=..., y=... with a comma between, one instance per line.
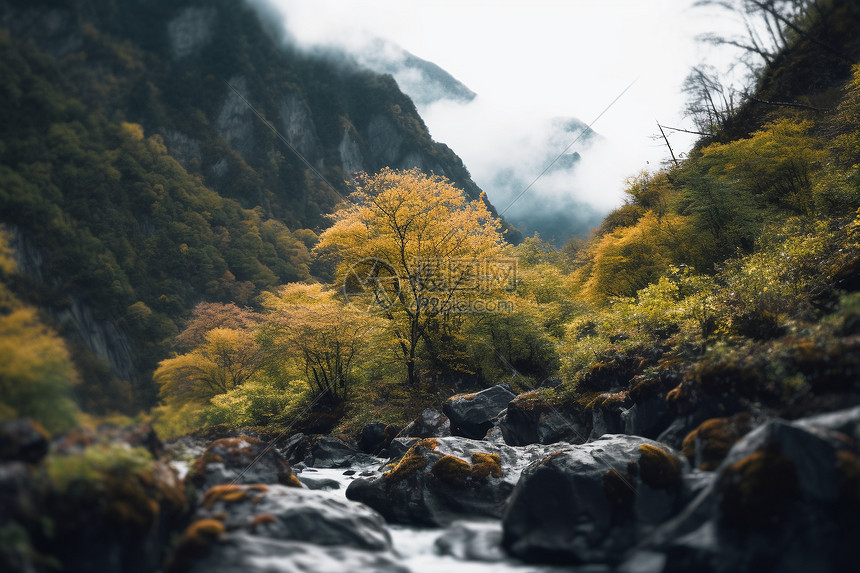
x=376, y=436
x=589, y=503
x=229, y=553
x=323, y=451
x=471, y=415
x=785, y=498
x=244, y=459
x=430, y=423
x=275, y=528
x=287, y=513
x=530, y=419
x=440, y=480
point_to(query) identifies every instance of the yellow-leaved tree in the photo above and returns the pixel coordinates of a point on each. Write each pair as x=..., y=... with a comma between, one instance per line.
x=328, y=338
x=225, y=360
x=418, y=251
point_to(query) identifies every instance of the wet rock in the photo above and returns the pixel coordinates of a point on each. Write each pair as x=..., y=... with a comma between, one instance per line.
x=471, y=415
x=529, y=419
x=276, y=528
x=324, y=484
x=376, y=437
x=323, y=451
x=844, y=421
x=607, y=420
x=440, y=480
x=23, y=440
x=430, y=423
x=647, y=418
x=240, y=460
x=784, y=499
x=400, y=446
x=254, y=554
x=330, y=452
x=589, y=503
x=372, y=439
x=286, y=513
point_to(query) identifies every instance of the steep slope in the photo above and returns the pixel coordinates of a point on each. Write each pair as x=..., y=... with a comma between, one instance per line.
x=423, y=81
x=138, y=180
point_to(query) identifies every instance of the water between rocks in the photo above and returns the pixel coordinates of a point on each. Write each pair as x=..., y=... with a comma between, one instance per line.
x=418, y=547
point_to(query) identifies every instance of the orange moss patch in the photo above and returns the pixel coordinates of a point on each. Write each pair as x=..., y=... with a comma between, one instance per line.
x=452, y=470
x=484, y=465
x=220, y=516
x=678, y=395
x=412, y=461
x=645, y=388
x=204, y=529
x=607, y=400
x=229, y=493
x=194, y=543
x=658, y=468
x=294, y=481
x=714, y=438
x=586, y=398
x=262, y=519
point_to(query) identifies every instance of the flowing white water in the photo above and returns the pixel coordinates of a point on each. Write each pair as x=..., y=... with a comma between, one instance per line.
x=417, y=547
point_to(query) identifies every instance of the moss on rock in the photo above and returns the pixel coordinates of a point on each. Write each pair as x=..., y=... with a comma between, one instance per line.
x=659, y=468
x=230, y=493
x=412, y=461
x=710, y=442
x=484, y=465
x=452, y=470
x=194, y=543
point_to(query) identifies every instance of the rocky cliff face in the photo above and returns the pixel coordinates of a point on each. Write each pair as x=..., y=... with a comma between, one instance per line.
x=75, y=318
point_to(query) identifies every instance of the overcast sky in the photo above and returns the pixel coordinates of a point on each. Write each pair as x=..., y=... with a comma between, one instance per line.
x=536, y=59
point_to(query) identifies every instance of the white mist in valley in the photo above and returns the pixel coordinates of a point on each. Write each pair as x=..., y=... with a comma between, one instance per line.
x=527, y=73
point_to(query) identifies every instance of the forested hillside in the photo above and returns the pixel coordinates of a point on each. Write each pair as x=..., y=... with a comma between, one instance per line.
x=136, y=180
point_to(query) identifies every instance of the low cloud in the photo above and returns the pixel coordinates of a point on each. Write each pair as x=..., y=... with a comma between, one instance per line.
x=530, y=64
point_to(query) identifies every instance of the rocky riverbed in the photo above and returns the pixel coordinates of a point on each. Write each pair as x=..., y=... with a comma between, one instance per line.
x=742, y=493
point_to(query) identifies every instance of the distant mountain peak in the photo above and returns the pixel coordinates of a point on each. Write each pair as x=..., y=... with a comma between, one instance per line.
x=422, y=80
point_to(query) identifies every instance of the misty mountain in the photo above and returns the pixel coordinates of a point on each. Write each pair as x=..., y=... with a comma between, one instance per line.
x=550, y=205
x=555, y=207
x=424, y=81
x=140, y=174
